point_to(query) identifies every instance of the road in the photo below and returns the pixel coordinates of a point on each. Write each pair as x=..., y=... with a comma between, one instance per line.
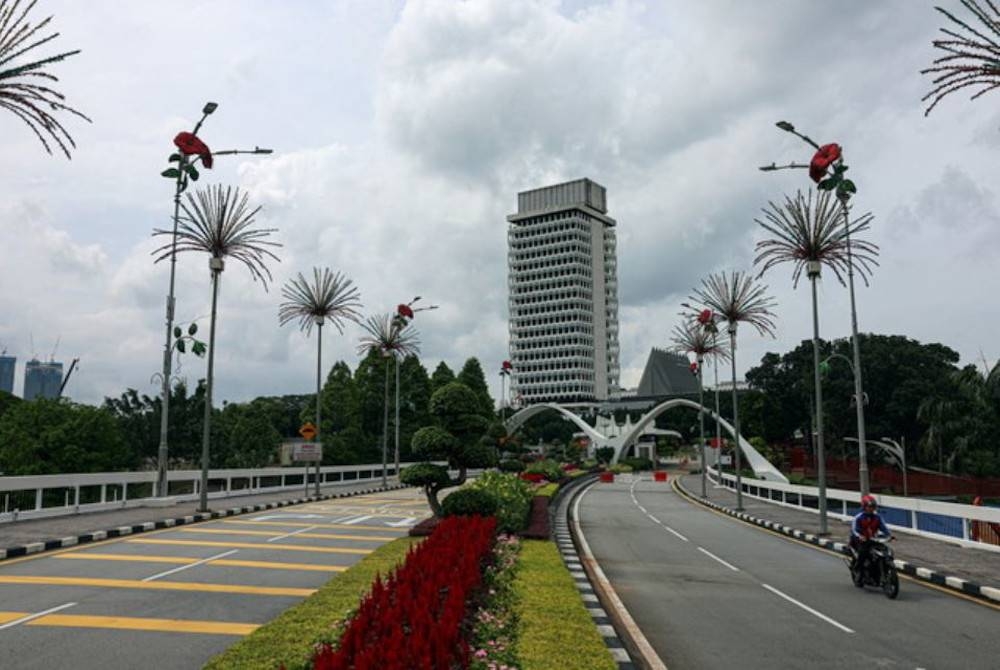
x=710, y=592
x=175, y=598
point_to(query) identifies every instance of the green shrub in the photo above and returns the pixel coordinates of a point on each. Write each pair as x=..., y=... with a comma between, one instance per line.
x=548, y=490
x=289, y=639
x=550, y=469
x=638, y=464
x=511, y=465
x=467, y=501
x=424, y=474
x=513, y=496
x=619, y=468
x=554, y=624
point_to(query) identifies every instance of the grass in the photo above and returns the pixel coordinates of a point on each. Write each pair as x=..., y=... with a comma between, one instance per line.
x=554, y=624
x=289, y=639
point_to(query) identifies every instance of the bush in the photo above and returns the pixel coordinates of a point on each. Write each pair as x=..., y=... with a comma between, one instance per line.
x=513, y=497
x=549, y=469
x=511, y=465
x=548, y=490
x=469, y=501
x=637, y=464
x=605, y=454
x=619, y=468
x=424, y=474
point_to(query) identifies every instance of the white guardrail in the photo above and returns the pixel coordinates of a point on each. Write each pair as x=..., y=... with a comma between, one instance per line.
x=33, y=497
x=952, y=522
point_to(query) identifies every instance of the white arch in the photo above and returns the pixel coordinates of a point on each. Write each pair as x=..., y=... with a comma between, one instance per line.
x=516, y=421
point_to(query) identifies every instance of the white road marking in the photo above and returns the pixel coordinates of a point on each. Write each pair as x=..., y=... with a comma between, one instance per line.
x=294, y=532
x=284, y=517
x=351, y=522
x=191, y=565
x=408, y=521
x=631, y=492
x=25, y=619
x=711, y=555
x=807, y=608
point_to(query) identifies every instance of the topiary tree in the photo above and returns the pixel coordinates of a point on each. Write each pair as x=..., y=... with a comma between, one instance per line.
x=455, y=437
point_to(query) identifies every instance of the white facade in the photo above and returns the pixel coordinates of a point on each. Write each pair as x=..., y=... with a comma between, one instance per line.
x=563, y=284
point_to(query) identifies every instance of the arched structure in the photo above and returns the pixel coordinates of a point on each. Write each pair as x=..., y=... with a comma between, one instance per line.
x=761, y=466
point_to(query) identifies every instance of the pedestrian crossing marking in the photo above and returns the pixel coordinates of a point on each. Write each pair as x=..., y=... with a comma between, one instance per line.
x=255, y=545
x=226, y=562
x=321, y=536
x=134, y=623
x=157, y=586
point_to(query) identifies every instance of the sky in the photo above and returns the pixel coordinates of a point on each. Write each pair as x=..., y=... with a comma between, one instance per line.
x=402, y=133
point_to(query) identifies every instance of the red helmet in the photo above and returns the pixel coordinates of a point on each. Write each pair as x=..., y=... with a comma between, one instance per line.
x=868, y=500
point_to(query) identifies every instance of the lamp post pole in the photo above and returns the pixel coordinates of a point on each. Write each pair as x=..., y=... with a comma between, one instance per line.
x=179, y=185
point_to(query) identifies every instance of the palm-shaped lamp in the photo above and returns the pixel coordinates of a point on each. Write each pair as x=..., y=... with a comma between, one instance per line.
x=388, y=335
x=735, y=298
x=20, y=93
x=329, y=296
x=970, y=55
x=808, y=234
x=220, y=222
x=692, y=337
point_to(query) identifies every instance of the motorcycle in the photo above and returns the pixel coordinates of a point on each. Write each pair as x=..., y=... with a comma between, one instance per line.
x=879, y=570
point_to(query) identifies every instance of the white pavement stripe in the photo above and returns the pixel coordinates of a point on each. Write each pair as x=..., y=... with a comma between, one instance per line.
x=807, y=608
x=25, y=619
x=351, y=522
x=294, y=532
x=191, y=565
x=711, y=555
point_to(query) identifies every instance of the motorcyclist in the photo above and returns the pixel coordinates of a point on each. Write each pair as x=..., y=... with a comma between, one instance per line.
x=867, y=525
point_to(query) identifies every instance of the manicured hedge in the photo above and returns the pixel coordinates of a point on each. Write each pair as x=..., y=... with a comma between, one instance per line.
x=554, y=624
x=290, y=638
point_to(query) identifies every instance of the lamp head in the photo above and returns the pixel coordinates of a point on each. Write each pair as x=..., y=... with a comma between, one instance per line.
x=258, y=150
x=786, y=126
x=209, y=108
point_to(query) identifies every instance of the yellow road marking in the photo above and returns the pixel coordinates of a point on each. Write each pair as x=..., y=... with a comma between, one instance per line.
x=297, y=524
x=255, y=545
x=12, y=616
x=231, y=563
x=323, y=536
x=133, y=623
x=158, y=586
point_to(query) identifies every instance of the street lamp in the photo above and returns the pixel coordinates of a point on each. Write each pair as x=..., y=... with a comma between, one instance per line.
x=404, y=313
x=191, y=150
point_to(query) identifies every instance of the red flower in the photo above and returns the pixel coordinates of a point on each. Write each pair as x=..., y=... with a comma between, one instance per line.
x=506, y=365
x=705, y=316
x=189, y=144
x=827, y=154
x=404, y=311
x=694, y=368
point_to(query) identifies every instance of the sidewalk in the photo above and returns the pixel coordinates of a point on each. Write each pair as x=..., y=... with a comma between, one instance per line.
x=972, y=571
x=19, y=538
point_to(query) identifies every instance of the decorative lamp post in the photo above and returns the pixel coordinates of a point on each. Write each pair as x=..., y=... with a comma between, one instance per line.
x=190, y=150
x=505, y=370
x=827, y=169
x=404, y=314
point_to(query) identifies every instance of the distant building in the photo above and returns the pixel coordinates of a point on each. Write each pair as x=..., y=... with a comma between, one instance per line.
x=563, y=283
x=7, y=364
x=666, y=374
x=42, y=380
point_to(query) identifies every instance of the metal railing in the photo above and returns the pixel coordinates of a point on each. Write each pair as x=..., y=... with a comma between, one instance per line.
x=33, y=497
x=955, y=522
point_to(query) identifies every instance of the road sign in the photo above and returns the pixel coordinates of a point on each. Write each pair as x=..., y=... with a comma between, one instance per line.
x=308, y=430
x=307, y=451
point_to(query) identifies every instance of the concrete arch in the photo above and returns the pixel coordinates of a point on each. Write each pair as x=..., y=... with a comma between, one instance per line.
x=516, y=421
x=761, y=466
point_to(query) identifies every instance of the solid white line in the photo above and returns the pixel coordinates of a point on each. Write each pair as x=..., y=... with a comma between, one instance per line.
x=807, y=608
x=359, y=519
x=190, y=565
x=294, y=532
x=24, y=619
x=711, y=555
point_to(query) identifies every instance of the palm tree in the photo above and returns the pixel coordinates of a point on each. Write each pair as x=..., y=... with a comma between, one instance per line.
x=390, y=336
x=809, y=236
x=692, y=337
x=31, y=102
x=329, y=296
x=218, y=221
x=736, y=298
x=970, y=56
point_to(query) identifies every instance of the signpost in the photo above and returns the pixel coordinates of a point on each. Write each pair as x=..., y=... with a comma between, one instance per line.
x=308, y=452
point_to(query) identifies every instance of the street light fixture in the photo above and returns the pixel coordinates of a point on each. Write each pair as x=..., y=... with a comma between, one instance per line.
x=401, y=320
x=184, y=172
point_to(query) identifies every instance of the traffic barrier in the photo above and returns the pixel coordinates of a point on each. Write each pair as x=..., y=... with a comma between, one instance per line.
x=607, y=477
x=660, y=476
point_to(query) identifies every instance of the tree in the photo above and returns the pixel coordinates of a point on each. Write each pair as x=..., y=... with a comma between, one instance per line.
x=56, y=436
x=442, y=375
x=415, y=385
x=455, y=437
x=219, y=222
x=472, y=376
x=7, y=400
x=248, y=439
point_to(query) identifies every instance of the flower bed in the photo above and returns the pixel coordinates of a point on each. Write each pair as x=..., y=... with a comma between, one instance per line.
x=414, y=618
x=495, y=623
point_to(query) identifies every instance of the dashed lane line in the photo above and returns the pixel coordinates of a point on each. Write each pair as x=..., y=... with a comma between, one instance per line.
x=229, y=563
x=711, y=555
x=190, y=565
x=665, y=527
x=255, y=545
x=132, y=623
x=303, y=532
x=158, y=586
x=815, y=613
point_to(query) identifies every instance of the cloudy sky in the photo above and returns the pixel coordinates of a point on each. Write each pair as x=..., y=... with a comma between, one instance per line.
x=403, y=131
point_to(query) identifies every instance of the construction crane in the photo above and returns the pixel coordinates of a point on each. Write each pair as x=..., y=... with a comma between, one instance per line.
x=66, y=378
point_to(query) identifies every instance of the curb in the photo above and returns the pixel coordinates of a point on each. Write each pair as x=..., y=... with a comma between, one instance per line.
x=964, y=586
x=603, y=622
x=17, y=551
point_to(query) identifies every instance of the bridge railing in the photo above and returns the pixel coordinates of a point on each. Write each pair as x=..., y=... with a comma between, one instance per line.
x=32, y=497
x=955, y=522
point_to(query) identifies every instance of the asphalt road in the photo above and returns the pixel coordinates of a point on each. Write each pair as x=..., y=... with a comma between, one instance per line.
x=710, y=592
x=176, y=597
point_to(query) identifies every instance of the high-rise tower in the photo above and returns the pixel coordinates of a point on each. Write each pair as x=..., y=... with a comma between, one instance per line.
x=42, y=380
x=563, y=283
x=7, y=364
